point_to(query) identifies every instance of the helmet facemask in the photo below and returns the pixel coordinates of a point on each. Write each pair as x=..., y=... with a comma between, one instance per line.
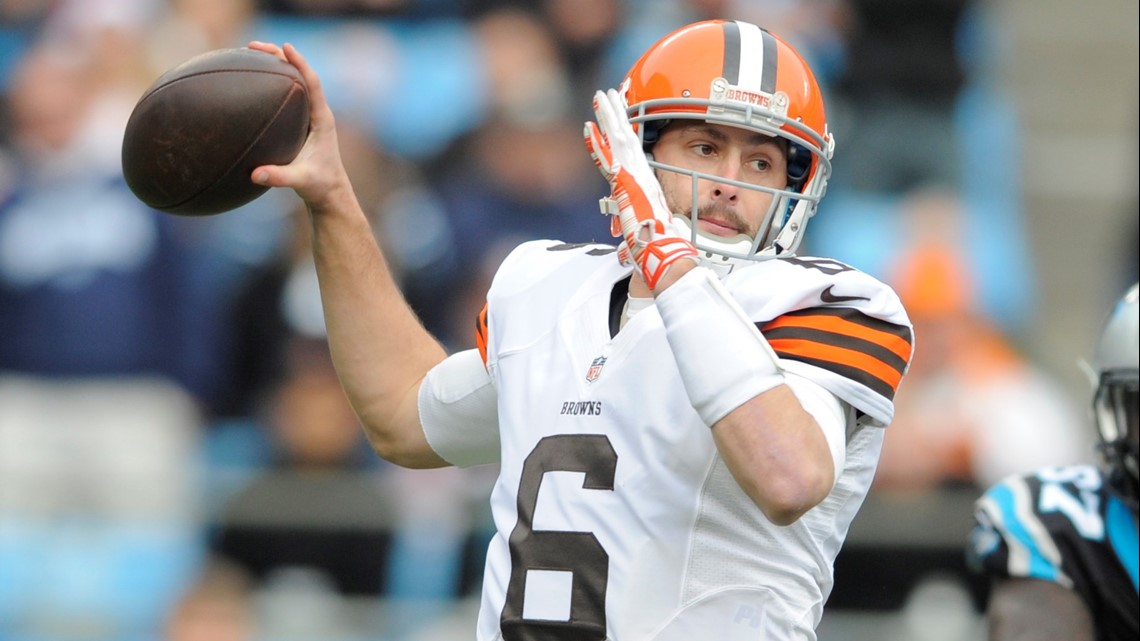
x=1116, y=408
x=782, y=227
x=1115, y=403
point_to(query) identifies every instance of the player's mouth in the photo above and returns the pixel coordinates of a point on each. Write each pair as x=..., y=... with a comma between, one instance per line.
x=719, y=226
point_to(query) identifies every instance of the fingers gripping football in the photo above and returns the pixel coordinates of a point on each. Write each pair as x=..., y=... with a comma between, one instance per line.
x=636, y=197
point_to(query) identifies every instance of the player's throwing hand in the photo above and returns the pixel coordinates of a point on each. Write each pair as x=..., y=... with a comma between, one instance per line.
x=651, y=239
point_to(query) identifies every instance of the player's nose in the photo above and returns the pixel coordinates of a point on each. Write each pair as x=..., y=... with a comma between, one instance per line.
x=723, y=190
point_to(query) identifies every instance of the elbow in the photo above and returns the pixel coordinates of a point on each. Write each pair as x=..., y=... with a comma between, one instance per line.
x=380, y=430
x=785, y=513
x=385, y=446
x=784, y=501
x=398, y=447
x=394, y=432
x=398, y=452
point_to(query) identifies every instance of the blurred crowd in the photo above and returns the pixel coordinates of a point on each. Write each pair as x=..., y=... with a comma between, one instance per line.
x=176, y=457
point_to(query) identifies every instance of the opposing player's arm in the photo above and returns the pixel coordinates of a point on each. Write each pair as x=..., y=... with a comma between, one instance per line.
x=1037, y=610
x=382, y=352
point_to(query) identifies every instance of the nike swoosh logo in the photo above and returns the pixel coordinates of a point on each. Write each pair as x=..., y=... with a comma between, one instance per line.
x=827, y=297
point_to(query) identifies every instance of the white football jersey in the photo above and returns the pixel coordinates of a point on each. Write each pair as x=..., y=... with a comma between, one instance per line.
x=616, y=517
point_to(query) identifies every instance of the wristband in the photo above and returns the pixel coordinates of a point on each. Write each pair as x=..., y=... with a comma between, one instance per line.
x=723, y=359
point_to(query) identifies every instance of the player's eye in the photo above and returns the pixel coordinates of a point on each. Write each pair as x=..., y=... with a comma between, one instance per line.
x=704, y=149
x=760, y=165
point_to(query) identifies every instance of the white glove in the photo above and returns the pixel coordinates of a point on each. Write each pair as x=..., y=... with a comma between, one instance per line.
x=651, y=239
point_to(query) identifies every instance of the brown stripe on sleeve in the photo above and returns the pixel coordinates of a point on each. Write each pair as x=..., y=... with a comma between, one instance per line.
x=869, y=351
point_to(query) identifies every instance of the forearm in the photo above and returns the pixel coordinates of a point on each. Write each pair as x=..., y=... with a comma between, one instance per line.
x=777, y=453
x=776, y=449
x=380, y=348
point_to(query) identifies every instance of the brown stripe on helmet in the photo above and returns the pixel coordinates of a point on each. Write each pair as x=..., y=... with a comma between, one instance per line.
x=731, y=69
x=768, y=76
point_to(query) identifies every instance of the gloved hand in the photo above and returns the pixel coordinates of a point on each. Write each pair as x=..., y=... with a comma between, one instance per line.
x=652, y=240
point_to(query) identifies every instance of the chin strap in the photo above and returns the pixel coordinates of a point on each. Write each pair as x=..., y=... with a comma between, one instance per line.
x=719, y=264
x=791, y=233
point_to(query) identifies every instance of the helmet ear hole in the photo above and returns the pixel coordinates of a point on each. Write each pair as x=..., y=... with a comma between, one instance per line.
x=651, y=132
x=799, y=164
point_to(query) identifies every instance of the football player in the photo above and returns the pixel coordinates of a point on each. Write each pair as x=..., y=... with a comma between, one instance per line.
x=685, y=425
x=1061, y=543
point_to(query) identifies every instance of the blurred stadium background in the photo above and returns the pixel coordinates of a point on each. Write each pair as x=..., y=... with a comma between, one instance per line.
x=176, y=461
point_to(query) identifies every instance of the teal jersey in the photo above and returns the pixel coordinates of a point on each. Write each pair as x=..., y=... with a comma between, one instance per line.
x=1064, y=524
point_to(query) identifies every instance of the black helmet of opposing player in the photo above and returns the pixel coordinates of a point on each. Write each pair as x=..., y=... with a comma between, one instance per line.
x=735, y=73
x=1115, y=405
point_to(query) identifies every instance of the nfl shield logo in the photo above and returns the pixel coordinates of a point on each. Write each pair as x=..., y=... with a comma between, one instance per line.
x=595, y=370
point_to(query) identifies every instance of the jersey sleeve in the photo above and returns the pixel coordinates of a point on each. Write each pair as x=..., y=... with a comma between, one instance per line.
x=1064, y=525
x=835, y=325
x=865, y=356
x=1010, y=539
x=459, y=411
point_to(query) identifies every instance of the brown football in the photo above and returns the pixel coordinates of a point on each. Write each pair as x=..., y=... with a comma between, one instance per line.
x=198, y=132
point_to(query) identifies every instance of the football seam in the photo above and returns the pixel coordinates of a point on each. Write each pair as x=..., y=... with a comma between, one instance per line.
x=295, y=78
x=245, y=152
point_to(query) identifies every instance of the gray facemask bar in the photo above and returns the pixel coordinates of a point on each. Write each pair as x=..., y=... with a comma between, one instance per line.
x=778, y=206
x=772, y=239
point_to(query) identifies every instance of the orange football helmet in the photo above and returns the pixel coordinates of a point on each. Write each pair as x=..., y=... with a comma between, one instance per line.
x=735, y=73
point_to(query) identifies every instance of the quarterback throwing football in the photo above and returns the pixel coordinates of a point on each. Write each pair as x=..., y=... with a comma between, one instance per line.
x=685, y=424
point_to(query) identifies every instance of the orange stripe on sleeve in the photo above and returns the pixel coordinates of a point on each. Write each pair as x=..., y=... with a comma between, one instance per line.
x=899, y=346
x=481, y=333
x=841, y=356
